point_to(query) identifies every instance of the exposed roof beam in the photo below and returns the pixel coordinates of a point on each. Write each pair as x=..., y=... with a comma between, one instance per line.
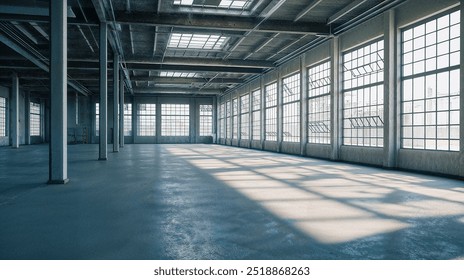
x=306, y=10
x=40, y=30
x=85, y=38
x=177, y=90
x=25, y=32
x=191, y=68
x=39, y=63
x=273, y=6
x=131, y=38
x=41, y=19
x=221, y=23
x=205, y=62
x=175, y=80
x=36, y=10
x=348, y=8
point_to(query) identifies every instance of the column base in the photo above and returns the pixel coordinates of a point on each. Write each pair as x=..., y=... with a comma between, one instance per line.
x=58, y=182
x=102, y=158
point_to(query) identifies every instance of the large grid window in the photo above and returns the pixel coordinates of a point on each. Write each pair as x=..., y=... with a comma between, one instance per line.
x=97, y=119
x=256, y=111
x=271, y=112
x=245, y=117
x=196, y=41
x=175, y=120
x=235, y=118
x=228, y=121
x=128, y=119
x=206, y=120
x=222, y=124
x=146, y=119
x=2, y=116
x=319, y=103
x=223, y=4
x=430, y=84
x=363, y=96
x=291, y=108
x=34, y=119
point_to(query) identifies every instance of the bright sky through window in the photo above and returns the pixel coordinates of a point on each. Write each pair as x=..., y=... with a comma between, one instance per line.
x=196, y=41
x=178, y=74
x=222, y=4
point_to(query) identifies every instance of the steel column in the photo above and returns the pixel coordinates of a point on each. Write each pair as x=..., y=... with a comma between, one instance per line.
x=103, y=153
x=58, y=165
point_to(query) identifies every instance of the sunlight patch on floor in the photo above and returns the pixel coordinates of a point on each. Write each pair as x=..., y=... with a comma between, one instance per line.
x=331, y=203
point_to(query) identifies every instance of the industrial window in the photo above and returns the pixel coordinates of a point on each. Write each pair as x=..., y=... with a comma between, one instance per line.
x=291, y=108
x=222, y=4
x=229, y=121
x=177, y=74
x=256, y=108
x=363, y=96
x=222, y=132
x=234, y=118
x=97, y=119
x=146, y=119
x=175, y=120
x=2, y=116
x=34, y=119
x=245, y=117
x=319, y=103
x=430, y=84
x=206, y=120
x=128, y=119
x=196, y=41
x=271, y=112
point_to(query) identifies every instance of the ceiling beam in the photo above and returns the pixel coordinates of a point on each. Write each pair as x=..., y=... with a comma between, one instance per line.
x=192, y=68
x=345, y=10
x=175, y=90
x=41, y=19
x=306, y=10
x=205, y=62
x=214, y=22
x=175, y=80
x=40, y=63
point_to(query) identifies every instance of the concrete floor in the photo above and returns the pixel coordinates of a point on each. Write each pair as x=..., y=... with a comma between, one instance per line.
x=216, y=202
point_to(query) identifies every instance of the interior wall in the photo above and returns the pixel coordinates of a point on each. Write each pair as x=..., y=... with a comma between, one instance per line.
x=420, y=160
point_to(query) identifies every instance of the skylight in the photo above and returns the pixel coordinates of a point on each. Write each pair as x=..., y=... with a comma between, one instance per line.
x=178, y=74
x=196, y=41
x=221, y=4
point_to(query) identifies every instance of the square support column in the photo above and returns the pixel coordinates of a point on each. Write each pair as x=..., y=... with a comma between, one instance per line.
x=390, y=84
x=103, y=147
x=58, y=165
x=121, y=110
x=336, y=99
x=116, y=111
x=280, y=111
x=15, y=111
x=303, y=106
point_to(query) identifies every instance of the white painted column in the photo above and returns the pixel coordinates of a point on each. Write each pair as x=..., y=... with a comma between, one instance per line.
x=15, y=111
x=58, y=165
x=116, y=103
x=303, y=105
x=280, y=111
x=103, y=147
x=390, y=82
x=336, y=99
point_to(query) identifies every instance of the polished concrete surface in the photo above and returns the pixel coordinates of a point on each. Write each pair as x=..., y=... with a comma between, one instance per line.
x=217, y=202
